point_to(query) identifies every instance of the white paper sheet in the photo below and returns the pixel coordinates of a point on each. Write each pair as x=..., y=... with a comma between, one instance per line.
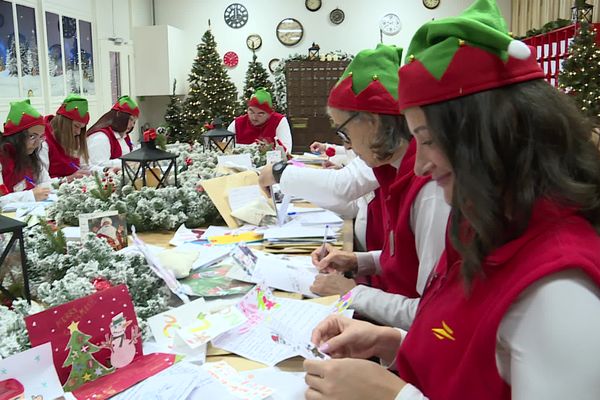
x=282, y=275
x=236, y=161
x=164, y=325
x=241, y=196
x=34, y=369
x=286, y=232
x=286, y=385
x=237, y=384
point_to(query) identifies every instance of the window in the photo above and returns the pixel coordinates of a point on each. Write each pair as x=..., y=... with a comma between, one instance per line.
x=19, y=58
x=70, y=55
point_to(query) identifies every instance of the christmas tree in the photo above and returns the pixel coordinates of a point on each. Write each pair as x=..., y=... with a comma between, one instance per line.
x=256, y=77
x=581, y=72
x=173, y=118
x=11, y=57
x=85, y=368
x=212, y=93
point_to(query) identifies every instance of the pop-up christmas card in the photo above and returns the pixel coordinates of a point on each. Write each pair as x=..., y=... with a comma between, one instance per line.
x=96, y=344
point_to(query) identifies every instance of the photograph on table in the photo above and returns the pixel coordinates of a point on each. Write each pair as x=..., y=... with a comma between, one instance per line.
x=110, y=226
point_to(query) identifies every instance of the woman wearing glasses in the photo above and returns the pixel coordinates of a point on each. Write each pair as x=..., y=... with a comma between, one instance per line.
x=108, y=139
x=65, y=146
x=23, y=177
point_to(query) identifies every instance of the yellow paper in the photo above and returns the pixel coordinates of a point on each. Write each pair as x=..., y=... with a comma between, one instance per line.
x=242, y=237
x=217, y=189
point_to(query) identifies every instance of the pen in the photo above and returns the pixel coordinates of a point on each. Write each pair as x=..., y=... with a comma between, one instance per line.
x=323, y=249
x=72, y=164
x=31, y=181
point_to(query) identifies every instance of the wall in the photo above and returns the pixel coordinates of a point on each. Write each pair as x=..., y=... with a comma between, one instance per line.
x=359, y=30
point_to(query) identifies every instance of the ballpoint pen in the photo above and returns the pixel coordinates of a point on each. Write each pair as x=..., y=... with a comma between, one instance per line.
x=323, y=253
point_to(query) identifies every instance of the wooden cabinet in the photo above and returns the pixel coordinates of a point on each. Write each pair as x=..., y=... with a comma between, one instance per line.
x=308, y=86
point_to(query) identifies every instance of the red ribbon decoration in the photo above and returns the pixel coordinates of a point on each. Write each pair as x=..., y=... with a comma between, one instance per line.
x=330, y=152
x=149, y=135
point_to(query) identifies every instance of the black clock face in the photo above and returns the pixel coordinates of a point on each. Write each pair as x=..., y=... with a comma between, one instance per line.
x=236, y=15
x=337, y=16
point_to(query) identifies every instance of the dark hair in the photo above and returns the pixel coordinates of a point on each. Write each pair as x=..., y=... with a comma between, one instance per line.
x=74, y=146
x=23, y=161
x=117, y=120
x=509, y=147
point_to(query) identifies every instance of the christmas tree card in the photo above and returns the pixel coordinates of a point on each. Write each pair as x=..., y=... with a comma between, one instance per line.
x=96, y=344
x=30, y=374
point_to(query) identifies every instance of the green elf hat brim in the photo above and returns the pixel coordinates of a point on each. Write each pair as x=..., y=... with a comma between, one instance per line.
x=370, y=82
x=458, y=56
x=127, y=105
x=261, y=99
x=75, y=108
x=21, y=116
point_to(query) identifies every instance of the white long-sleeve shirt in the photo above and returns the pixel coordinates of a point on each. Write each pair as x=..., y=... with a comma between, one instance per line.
x=547, y=344
x=428, y=219
x=99, y=150
x=19, y=195
x=282, y=132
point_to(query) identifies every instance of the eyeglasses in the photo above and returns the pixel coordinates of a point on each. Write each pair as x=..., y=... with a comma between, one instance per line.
x=32, y=137
x=343, y=135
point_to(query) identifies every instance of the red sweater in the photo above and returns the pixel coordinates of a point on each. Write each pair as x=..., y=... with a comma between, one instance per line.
x=246, y=133
x=61, y=164
x=449, y=352
x=399, y=260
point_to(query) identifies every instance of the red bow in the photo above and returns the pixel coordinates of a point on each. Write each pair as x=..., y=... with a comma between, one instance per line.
x=208, y=126
x=149, y=135
x=330, y=152
x=101, y=284
x=188, y=161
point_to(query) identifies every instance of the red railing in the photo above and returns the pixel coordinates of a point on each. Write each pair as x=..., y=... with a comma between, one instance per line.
x=552, y=48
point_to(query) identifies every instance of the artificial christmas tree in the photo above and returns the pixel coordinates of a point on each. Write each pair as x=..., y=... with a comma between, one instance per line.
x=256, y=77
x=581, y=72
x=212, y=93
x=174, y=119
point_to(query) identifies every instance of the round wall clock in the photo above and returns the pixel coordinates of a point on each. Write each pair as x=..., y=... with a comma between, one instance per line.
x=431, y=4
x=289, y=31
x=273, y=64
x=313, y=5
x=254, y=41
x=390, y=24
x=235, y=15
x=337, y=16
x=231, y=59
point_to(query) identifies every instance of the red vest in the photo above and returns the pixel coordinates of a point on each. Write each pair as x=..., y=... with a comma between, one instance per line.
x=246, y=133
x=115, y=146
x=61, y=164
x=374, y=236
x=10, y=178
x=399, y=260
x=449, y=352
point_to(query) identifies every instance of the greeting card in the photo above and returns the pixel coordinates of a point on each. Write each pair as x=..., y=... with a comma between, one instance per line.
x=96, y=344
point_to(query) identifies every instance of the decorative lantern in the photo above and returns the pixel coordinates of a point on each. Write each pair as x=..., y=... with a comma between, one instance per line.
x=145, y=163
x=581, y=11
x=313, y=52
x=8, y=256
x=218, y=138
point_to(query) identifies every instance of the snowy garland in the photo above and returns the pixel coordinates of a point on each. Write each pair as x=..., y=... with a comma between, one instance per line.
x=152, y=209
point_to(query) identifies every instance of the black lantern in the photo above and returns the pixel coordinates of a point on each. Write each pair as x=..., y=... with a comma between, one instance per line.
x=581, y=11
x=313, y=51
x=15, y=229
x=218, y=138
x=146, y=162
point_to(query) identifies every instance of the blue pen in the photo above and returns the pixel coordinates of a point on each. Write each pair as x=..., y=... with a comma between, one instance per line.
x=28, y=179
x=292, y=213
x=72, y=164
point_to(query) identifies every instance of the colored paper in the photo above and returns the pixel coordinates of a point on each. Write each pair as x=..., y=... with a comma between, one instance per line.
x=165, y=325
x=237, y=384
x=213, y=281
x=208, y=326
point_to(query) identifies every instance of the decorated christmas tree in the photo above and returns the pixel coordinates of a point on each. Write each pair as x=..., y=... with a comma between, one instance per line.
x=580, y=76
x=256, y=77
x=212, y=93
x=173, y=118
x=84, y=367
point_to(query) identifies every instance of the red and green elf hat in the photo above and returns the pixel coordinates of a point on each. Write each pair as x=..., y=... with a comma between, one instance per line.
x=127, y=105
x=75, y=108
x=21, y=116
x=370, y=83
x=457, y=56
x=261, y=99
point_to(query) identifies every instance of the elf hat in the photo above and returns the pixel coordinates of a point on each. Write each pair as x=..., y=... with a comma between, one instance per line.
x=75, y=108
x=261, y=99
x=370, y=82
x=127, y=105
x=457, y=56
x=20, y=117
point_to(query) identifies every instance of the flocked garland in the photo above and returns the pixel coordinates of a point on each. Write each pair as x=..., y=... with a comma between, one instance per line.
x=60, y=272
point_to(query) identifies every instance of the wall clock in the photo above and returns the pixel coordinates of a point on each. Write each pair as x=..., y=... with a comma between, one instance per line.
x=254, y=41
x=235, y=15
x=390, y=24
x=289, y=31
x=231, y=59
x=431, y=4
x=273, y=64
x=313, y=5
x=337, y=16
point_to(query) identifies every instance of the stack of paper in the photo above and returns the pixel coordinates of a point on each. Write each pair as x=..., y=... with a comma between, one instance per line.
x=309, y=158
x=299, y=238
